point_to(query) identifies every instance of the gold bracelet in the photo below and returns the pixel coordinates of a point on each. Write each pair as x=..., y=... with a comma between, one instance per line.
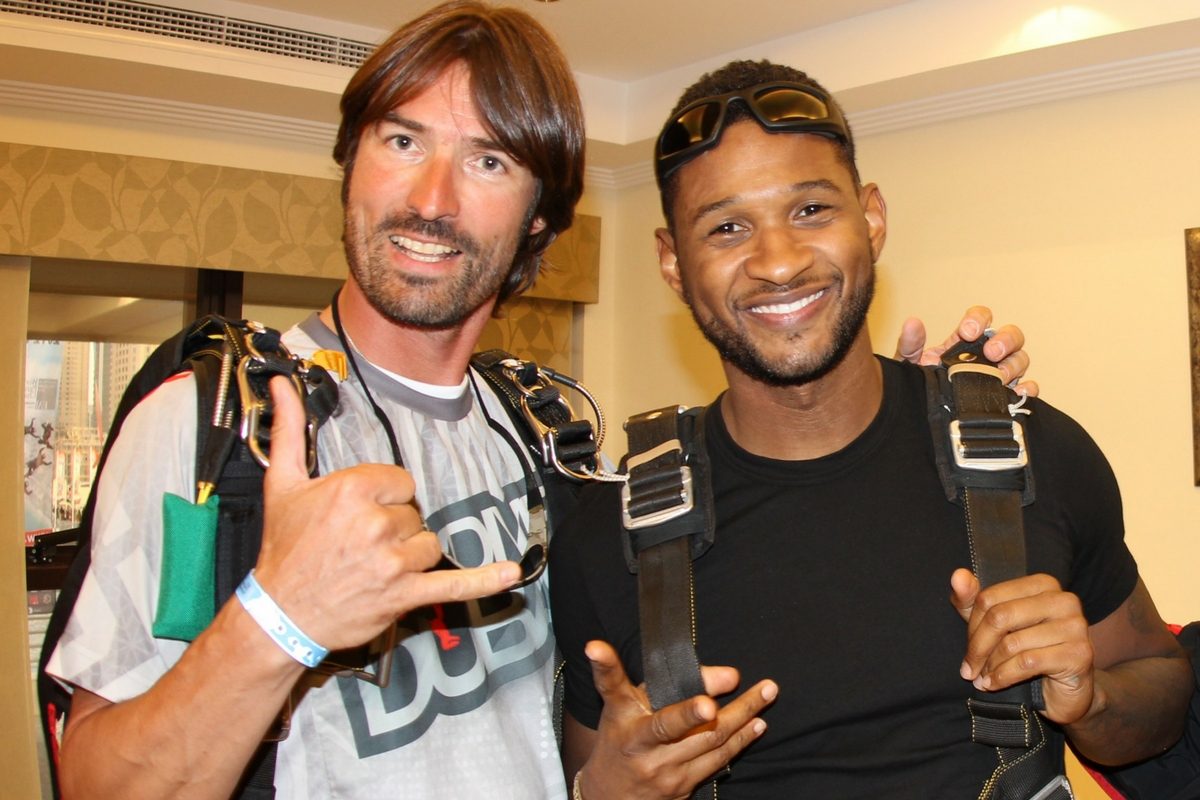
x=576, y=792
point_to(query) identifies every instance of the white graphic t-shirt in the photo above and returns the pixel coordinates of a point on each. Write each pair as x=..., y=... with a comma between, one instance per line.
x=467, y=711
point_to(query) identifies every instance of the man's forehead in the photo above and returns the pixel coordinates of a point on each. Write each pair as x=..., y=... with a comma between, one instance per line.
x=449, y=100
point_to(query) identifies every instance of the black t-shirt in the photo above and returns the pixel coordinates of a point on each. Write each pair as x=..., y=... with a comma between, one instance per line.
x=832, y=577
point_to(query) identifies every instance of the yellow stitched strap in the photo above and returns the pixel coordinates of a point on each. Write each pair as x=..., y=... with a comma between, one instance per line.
x=332, y=360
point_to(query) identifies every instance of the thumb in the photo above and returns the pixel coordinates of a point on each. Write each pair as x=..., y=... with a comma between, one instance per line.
x=289, y=461
x=964, y=588
x=911, y=341
x=607, y=673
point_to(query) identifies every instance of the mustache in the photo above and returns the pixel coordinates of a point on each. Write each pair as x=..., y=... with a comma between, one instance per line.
x=798, y=284
x=439, y=229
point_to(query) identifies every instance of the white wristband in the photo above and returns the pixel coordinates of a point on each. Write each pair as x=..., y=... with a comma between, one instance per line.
x=275, y=623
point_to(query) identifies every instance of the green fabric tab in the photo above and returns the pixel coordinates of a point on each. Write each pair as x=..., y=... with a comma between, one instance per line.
x=186, y=591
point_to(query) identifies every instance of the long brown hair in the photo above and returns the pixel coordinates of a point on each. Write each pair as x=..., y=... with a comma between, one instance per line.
x=523, y=88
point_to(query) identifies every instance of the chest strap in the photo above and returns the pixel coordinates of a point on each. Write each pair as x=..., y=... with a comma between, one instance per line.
x=666, y=509
x=983, y=462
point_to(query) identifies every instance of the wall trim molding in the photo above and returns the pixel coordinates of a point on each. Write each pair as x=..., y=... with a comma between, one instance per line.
x=1050, y=87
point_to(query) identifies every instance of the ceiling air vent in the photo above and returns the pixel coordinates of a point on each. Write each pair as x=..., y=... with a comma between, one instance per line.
x=197, y=27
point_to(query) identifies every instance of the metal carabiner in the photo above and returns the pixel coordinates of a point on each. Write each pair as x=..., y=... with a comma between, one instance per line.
x=254, y=372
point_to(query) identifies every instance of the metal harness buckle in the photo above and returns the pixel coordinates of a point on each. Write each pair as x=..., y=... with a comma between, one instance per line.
x=988, y=463
x=687, y=497
x=536, y=382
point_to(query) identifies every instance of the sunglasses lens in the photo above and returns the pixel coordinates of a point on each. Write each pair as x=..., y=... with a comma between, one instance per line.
x=689, y=128
x=780, y=105
x=533, y=563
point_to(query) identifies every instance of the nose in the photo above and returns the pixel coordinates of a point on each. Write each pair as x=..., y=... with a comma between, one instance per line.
x=434, y=192
x=778, y=257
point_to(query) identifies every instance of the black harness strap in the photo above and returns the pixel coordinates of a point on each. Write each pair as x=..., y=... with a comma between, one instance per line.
x=986, y=470
x=666, y=508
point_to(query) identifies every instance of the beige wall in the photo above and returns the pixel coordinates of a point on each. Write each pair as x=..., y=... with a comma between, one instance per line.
x=1067, y=218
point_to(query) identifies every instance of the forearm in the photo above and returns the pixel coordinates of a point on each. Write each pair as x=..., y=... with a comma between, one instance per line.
x=194, y=731
x=1137, y=711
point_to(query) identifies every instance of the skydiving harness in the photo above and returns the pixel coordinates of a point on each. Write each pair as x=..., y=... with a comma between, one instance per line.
x=232, y=363
x=666, y=508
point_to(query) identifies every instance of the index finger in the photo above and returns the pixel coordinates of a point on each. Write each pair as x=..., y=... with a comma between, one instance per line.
x=1005, y=341
x=973, y=323
x=452, y=586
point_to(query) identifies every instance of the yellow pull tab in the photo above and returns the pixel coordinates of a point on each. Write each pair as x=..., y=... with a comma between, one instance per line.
x=332, y=360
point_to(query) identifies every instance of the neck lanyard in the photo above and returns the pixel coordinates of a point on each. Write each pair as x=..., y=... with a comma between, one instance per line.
x=533, y=561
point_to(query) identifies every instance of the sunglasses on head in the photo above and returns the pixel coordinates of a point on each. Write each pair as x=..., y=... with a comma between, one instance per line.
x=779, y=106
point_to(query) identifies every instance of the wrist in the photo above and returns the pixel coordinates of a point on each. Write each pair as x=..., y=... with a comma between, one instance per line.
x=276, y=624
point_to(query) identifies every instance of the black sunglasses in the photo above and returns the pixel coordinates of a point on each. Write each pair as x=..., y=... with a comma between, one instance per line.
x=779, y=106
x=533, y=561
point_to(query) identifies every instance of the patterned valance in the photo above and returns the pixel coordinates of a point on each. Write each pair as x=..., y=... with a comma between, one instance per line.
x=57, y=203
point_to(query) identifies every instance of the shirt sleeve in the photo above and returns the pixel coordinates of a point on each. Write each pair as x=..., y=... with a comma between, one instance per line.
x=1074, y=476
x=107, y=647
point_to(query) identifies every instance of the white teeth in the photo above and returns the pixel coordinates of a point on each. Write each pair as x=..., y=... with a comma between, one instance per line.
x=787, y=308
x=431, y=250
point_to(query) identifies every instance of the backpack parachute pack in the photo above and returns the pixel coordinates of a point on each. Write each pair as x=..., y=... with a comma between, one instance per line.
x=212, y=540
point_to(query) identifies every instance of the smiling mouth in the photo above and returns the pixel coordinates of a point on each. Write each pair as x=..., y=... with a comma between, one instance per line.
x=788, y=308
x=429, y=252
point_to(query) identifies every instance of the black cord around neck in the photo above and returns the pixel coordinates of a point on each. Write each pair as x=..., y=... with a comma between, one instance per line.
x=379, y=413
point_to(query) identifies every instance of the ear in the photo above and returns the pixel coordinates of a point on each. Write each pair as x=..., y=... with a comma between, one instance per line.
x=875, y=211
x=668, y=261
x=537, y=226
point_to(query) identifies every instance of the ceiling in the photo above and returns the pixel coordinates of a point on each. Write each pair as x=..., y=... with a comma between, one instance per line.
x=622, y=40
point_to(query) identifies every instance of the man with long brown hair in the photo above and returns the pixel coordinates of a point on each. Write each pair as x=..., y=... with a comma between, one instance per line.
x=462, y=148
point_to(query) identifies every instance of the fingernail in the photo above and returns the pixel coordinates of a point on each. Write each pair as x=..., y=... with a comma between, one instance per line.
x=981, y=683
x=770, y=692
x=965, y=671
x=971, y=329
x=758, y=727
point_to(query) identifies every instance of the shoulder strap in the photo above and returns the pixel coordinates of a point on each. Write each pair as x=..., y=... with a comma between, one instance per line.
x=667, y=512
x=559, y=441
x=984, y=463
x=564, y=447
